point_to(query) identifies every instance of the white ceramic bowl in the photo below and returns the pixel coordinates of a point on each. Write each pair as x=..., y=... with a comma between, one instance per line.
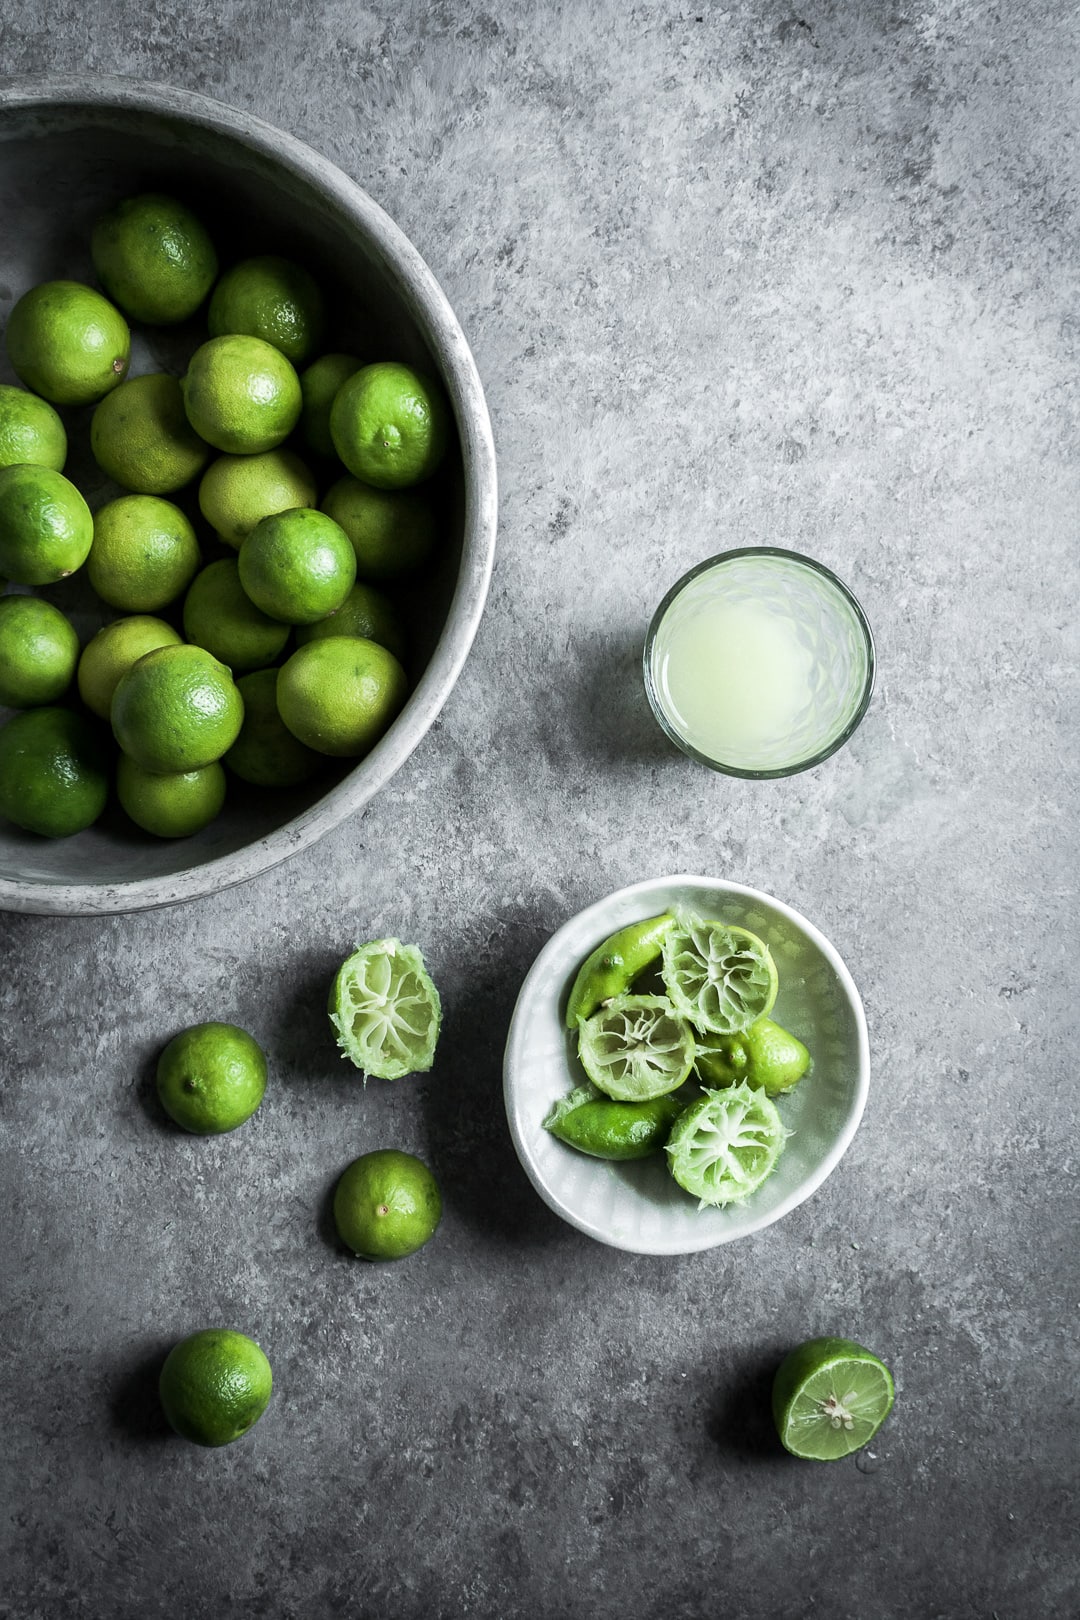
x=638, y=1206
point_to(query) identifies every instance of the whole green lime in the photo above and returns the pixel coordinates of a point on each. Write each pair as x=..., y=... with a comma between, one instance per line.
x=215, y=1385
x=141, y=437
x=45, y=526
x=273, y=299
x=297, y=566
x=52, y=772
x=145, y=553
x=392, y=531
x=68, y=343
x=365, y=612
x=154, y=258
x=39, y=652
x=319, y=385
x=266, y=753
x=30, y=431
x=220, y=616
x=111, y=652
x=176, y=709
x=239, y=491
x=172, y=805
x=386, y=1205
x=211, y=1078
x=241, y=395
x=340, y=695
x=390, y=425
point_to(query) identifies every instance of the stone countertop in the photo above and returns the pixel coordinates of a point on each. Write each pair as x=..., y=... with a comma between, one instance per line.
x=732, y=274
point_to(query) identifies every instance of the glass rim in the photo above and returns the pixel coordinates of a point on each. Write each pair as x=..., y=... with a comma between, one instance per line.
x=842, y=590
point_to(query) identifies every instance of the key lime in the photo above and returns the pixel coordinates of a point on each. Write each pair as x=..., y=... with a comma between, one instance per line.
x=386, y=1205
x=144, y=555
x=636, y=1047
x=612, y=967
x=220, y=616
x=39, y=652
x=604, y=1129
x=170, y=806
x=341, y=694
x=30, y=431
x=392, y=531
x=211, y=1078
x=366, y=613
x=45, y=526
x=241, y=395
x=273, y=299
x=766, y=1055
x=52, y=772
x=319, y=385
x=390, y=425
x=726, y=1145
x=177, y=709
x=237, y=491
x=721, y=978
x=297, y=566
x=141, y=437
x=830, y=1397
x=112, y=651
x=266, y=753
x=68, y=343
x=214, y=1386
x=154, y=258
x=386, y=1010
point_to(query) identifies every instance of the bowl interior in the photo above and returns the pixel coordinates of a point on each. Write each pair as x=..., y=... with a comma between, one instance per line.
x=59, y=167
x=638, y=1206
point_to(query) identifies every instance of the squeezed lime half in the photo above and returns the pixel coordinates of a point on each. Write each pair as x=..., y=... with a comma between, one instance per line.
x=726, y=1145
x=386, y=1010
x=720, y=977
x=830, y=1397
x=636, y=1047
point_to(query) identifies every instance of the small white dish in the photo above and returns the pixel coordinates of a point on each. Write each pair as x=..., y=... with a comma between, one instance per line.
x=637, y=1206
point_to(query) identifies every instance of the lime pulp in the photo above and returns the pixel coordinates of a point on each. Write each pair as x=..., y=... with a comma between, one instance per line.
x=720, y=977
x=636, y=1047
x=726, y=1145
x=386, y=1010
x=830, y=1396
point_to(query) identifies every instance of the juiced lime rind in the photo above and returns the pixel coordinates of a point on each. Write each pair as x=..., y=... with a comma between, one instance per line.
x=614, y=1131
x=726, y=1145
x=386, y=1010
x=830, y=1397
x=720, y=977
x=613, y=966
x=636, y=1047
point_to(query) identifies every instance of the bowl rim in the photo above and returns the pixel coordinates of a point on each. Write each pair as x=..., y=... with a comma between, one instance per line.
x=429, y=307
x=648, y=887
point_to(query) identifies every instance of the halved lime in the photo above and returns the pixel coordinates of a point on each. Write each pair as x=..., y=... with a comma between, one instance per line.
x=830, y=1397
x=725, y=1145
x=636, y=1047
x=386, y=1010
x=720, y=977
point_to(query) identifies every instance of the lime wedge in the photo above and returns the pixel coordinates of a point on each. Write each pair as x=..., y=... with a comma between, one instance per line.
x=719, y=977
x=830, y=1397
x=385, y=1010
x=636, y=1047
x=725, y=1145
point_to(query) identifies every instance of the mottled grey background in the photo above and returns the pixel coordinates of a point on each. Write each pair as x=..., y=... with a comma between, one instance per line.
x=732, y=274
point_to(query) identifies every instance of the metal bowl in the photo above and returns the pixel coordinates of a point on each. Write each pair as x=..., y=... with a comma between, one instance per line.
x=68, y=148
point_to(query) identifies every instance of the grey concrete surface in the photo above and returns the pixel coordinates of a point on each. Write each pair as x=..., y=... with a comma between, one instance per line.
x=734, y=273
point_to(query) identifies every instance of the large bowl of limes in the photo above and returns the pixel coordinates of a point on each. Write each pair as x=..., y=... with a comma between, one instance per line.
x=247, y=496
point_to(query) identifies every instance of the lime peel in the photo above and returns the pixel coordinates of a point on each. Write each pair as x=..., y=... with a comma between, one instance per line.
x=721, y=977
x=636, y=1047
x=726, y=1145
x=386, y=1010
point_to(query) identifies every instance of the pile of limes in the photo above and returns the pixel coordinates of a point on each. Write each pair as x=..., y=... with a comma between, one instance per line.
x=268, y=498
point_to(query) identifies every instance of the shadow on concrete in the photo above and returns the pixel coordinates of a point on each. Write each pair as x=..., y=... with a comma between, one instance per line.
x=134, y=1406
x=147, y=1093
x=300, y=1040
x=740, y=1422
x=609, y=712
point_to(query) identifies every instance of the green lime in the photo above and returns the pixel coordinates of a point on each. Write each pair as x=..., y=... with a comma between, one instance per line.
x=266, y=753
x=829, y=1398
x=605, y=1129
x=390, y=425
x=30, y=431
x=238, y=491
x=39, y=652
x=386, y=1205
x=211, y=1078
x=636, y=1047
x=45, y=526
x=52, y=772
x=68, y=343
x=392, y=531
x=366, y=613
x=725, y=1145
x=386, y=1010
x=319, y=385
x=175, y=805
x=112, y=651
x=297, y=566
x=241, y=395
x=154, y=258
x=341, y=694
x=721, y=978
x=214, y=1386
x=612, y=967
x=273, y=299
x=141, y=437
x=220, y=616
x=765, y=1054
x=145, y=553
x=177, y=709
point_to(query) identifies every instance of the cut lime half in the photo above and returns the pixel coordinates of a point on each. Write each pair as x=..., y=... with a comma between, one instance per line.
x=720, y=977
x=830, y=1397
x=385, y=1010
x=725, y=1145
x=636, y=1047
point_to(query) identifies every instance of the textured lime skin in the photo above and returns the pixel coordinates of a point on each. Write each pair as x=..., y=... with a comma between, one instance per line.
x=297, y=566
x=808, y=1361
x=39, y=652
x=214, y=1386
x=111, y=653
x=154, y=258
x=141, y=437
x=390, y=425
x=319, y=385
x=68, y=343
x=273, y=299
x=170, y=806
x=52, y=772
x=619, y=1131
x=177, y=709
x=211, y=1078
x=236, y=492
x=266, y=753
x=340, y=695
x=393, y=532
x=241, y=395
x=220, y=616
x=30, y=431
x=613, y=966
x=145, y=553
x=766, y=1054
x=365, y=612
x=386, y=1205
x=46, y=529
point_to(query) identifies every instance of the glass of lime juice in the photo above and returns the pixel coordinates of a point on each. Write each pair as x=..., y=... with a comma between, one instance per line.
x=759, y=662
